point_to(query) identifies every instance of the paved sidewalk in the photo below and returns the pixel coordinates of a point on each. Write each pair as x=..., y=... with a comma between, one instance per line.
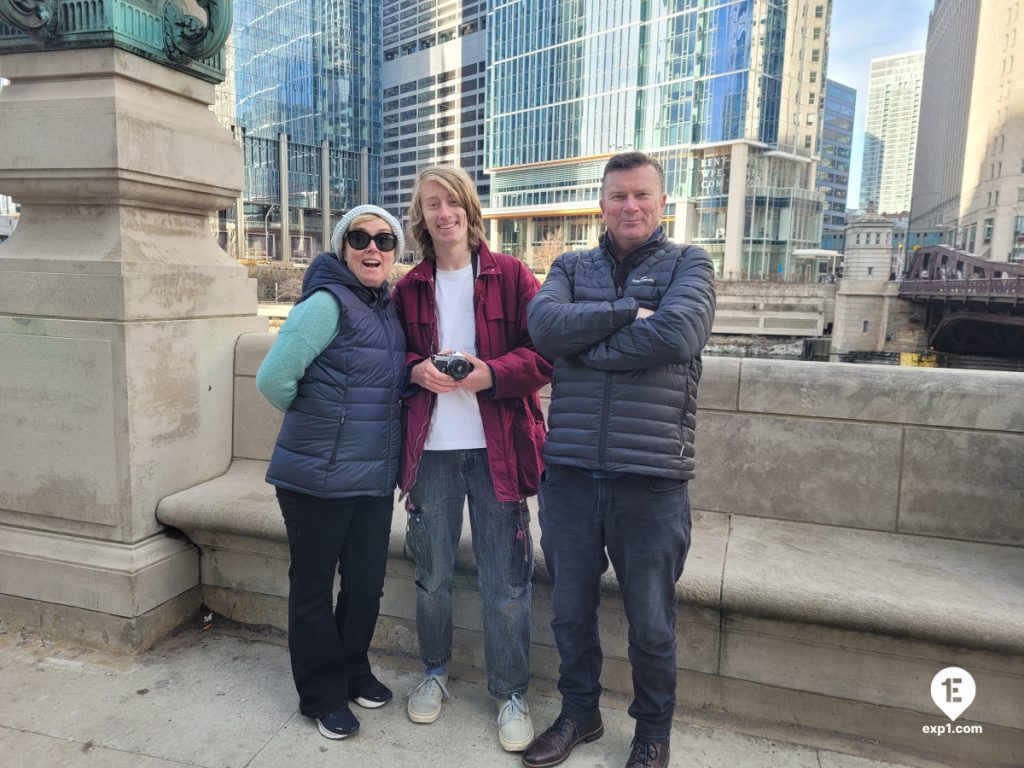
x=204, y=698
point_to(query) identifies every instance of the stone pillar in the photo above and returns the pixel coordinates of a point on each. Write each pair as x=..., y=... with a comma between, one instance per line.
x=492, y=236
x=285, y=240
x=861, y=315
x=736, y=212
x=118, y=320
x=364, y=176
x=528, y=241
x=325, y=196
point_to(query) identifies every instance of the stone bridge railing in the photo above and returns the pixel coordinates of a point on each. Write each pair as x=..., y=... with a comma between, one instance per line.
x=857, y=529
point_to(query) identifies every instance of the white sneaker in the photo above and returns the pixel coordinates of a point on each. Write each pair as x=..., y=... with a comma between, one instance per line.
x=515, y=728
x=425, y=699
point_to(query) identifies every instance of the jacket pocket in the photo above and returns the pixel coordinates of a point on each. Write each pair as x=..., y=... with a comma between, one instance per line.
x=337, y=440
x=527, y=441
x=417, y=543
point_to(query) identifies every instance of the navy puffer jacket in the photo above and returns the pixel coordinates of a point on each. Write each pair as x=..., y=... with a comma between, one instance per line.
x=624, y=391
x=342, y=434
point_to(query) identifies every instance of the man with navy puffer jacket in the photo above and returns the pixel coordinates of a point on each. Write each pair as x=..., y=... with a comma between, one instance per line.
x=625, y=323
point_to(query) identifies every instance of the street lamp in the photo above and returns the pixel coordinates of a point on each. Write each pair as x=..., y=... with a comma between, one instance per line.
x=266, y=230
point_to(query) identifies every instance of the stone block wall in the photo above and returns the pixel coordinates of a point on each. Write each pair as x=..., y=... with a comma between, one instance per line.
x=908, y=450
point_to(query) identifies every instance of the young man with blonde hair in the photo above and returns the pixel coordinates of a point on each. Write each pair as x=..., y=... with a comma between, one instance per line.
x=476, y=436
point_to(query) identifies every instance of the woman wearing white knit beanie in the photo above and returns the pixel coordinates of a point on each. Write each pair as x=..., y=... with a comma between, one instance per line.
x=336, y=370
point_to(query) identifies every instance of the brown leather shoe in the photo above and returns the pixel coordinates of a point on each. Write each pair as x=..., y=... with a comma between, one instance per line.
x=556, y=743
x=648, y=754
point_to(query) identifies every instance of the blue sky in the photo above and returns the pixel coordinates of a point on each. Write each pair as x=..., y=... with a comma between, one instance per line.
x=867, y=29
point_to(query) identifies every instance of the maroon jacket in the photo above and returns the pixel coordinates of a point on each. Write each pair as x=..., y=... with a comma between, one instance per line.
x=511, y=414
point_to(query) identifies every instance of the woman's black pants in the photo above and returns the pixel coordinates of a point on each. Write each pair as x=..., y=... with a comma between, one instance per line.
x=328, y=642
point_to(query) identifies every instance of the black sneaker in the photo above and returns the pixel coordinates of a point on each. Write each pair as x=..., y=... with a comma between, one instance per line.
x=377, y=695
x=339, y=724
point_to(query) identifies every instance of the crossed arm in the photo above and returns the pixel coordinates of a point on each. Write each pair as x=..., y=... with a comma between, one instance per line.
x=621, y=335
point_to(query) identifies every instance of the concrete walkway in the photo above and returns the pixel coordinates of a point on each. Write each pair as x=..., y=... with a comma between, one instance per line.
x=206, y=698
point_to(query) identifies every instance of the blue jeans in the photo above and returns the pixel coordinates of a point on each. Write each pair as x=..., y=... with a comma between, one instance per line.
x=642, y=525
x=503, y=551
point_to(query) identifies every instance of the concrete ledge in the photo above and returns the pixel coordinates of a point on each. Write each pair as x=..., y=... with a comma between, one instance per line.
x=238, y=512
x=125, y=580
x=979, y=400
x=96, y=629
x=913, y=587
x=863, y=581
x=844, y=626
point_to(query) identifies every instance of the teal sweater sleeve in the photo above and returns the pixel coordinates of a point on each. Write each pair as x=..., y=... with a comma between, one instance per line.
x=305, y=334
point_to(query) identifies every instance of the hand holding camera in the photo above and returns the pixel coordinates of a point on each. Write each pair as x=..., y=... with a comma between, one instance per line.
x=455, y=365
x=449, y=370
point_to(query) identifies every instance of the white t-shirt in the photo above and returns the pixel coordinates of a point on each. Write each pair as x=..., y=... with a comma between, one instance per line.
x=455, y=424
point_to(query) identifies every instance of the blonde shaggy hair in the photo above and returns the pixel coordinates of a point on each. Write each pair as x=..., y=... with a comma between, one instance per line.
x=458, y=184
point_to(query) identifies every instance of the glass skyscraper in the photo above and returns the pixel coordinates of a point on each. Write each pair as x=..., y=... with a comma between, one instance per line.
x=434, y=79
x=303, y=81
x=725, y=93
x=890, y=132
x=834, y=166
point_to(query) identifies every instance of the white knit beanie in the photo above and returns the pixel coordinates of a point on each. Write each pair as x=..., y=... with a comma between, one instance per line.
x=360, y=210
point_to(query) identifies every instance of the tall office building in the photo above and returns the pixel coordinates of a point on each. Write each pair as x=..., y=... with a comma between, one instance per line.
x=725, y=93
x=303, y=96
x=890, y=132
x=992, y=191
x=433, y=78
x=834, y=165
x=942, y=126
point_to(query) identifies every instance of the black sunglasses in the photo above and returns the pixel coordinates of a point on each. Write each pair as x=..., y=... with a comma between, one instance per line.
x=386, y=241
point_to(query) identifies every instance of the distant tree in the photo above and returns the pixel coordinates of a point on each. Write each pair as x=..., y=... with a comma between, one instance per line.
x=545, y=254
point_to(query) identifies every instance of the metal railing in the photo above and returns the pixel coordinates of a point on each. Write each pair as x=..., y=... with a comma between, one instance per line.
x=989, y=286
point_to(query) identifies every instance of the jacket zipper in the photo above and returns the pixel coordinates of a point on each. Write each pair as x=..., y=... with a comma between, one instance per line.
x=337, y=441
x=389, y=330
x=606, y=403
x=421, y=438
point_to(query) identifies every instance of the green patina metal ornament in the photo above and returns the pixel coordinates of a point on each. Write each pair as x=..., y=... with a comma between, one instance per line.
x=161, y=30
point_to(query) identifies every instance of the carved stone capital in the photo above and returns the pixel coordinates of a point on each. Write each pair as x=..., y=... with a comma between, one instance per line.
x=36, y=17
x=185, y=37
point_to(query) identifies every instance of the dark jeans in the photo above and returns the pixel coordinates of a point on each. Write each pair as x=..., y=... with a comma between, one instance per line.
x=641, y=524
x=328, y=645
x=503, y=551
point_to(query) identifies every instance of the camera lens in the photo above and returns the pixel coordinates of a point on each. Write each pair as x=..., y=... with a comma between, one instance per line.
x=459, y=368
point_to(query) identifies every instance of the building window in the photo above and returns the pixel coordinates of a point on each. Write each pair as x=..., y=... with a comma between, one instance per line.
x=1020, y=194
x=819, y=11
x=865, y=327
x=858, y=238
x=814, y=77
x=816, y=55
x=986, y=232
x=870, y=270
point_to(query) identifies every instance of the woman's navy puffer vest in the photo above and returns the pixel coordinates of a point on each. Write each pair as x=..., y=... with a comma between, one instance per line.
x=342, y=435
